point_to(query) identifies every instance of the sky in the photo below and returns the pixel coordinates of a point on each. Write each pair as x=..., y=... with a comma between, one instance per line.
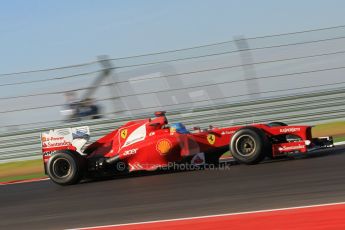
x=42, y=34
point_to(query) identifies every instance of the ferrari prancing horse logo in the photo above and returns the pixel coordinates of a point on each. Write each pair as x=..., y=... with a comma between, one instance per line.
x=123, y=133
x=211, y=138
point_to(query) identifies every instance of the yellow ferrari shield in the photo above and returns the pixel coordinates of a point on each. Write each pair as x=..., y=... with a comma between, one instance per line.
x=211, y=138
x=123, y=133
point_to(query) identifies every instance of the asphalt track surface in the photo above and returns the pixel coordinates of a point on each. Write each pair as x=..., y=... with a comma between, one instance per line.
x=285, y=183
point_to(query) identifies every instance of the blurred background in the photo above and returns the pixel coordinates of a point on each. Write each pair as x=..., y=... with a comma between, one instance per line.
x=221, y=62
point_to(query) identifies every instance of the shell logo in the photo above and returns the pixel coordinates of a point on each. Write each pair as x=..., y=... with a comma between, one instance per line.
x=163, y=146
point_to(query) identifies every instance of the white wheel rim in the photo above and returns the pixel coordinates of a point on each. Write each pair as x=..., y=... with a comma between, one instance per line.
x=245, y=145
x=61, y=168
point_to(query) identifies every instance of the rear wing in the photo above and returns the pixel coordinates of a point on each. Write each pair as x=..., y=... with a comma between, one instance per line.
x=67, y=138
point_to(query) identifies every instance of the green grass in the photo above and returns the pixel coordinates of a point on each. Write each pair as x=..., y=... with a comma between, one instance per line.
x=226, y=154
x=336, y=129
x=22, y=177
x=339, y=139
x=21, y=170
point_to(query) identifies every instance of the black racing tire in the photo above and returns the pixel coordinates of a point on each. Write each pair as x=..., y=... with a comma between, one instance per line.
x=66, y=167
x=276, y=124
x=249, y=145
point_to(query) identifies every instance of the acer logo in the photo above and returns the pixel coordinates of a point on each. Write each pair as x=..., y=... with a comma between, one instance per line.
x=130, y=152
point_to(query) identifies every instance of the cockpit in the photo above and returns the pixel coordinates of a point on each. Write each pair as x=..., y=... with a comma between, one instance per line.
x=178, y=128
x=161, y=122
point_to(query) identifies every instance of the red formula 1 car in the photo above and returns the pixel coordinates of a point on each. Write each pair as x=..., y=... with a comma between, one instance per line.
x=149, y=144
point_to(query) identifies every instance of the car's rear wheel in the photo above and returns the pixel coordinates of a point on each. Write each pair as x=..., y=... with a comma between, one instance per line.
x=66, y=167
x=249, y=145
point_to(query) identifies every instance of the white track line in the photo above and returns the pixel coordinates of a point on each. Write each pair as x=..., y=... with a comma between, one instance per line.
x=340, y=143
x=210, y=216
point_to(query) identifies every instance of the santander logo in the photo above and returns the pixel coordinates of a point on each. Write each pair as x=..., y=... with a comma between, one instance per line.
x=289, y=130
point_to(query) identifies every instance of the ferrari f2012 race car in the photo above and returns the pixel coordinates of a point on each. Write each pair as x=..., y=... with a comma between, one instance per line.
x=149, y=144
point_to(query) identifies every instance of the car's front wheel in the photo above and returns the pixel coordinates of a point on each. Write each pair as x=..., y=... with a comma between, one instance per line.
x=249, y=145
x=66, y=167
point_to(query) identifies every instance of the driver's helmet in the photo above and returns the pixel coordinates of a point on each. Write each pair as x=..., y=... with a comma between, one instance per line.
x=178, y=127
